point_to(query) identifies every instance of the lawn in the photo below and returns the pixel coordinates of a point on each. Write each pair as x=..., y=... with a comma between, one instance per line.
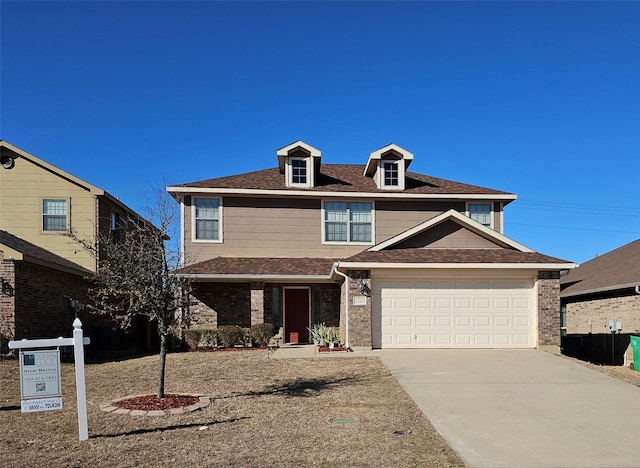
x=263, y=412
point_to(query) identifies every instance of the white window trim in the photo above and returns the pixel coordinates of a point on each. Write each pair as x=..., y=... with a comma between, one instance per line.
x=289, y=172
x=220, y=239
x=350, y=200
x=67, y=215
x=381, y=174
x=491, y=213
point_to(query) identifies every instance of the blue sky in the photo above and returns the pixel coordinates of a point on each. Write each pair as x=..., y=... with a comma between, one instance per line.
x=541, y=99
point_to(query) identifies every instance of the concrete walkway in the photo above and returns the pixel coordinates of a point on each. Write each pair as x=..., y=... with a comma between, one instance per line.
x=522, y=408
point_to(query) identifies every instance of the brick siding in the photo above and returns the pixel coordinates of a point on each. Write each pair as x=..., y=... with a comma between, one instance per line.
x=38, y=304
x=548, y=308
x=624, y=308
x=218, y=304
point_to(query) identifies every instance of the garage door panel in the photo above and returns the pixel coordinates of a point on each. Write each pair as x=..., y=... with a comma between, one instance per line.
x=404, y=321
x=424, y=321
x=468, y=313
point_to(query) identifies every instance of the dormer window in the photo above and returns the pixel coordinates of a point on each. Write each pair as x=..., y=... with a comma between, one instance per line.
x=299, y=171
x=299, y=163
x=390, y=174
x=388, y=167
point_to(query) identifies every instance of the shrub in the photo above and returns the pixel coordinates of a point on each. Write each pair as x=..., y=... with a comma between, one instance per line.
x=209, y=338
x=231, y=335
x=192, y=337
x=261, y=332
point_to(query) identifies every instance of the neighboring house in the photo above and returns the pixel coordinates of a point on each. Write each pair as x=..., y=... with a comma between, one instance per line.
x=604, y=289
x=40, y=205
x=36, y=287
x=394, y=258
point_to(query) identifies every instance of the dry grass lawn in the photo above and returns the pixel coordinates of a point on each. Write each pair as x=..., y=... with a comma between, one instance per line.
x=263, y=412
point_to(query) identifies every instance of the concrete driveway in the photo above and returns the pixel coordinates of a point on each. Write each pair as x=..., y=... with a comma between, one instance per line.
x=522, y=408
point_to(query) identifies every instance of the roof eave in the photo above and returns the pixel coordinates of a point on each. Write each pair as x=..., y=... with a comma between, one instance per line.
x=454, y=266
x=252, y=277
x=603, y=289
x=176, y=189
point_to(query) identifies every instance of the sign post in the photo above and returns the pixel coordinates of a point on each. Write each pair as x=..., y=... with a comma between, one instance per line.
x=38, y=374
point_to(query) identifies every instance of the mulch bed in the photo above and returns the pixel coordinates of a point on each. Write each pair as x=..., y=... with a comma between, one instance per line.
x=153, y=403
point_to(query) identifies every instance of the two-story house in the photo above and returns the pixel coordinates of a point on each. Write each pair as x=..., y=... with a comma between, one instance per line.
x=394, y=258
x=44, y=271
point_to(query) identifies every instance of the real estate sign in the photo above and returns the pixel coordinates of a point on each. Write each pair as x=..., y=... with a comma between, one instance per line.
x=40, y=380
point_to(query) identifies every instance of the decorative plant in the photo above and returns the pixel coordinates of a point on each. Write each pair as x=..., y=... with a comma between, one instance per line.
x=319, y=333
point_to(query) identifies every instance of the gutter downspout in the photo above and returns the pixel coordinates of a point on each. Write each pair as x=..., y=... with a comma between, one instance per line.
x=637, y=289
x=346, y=303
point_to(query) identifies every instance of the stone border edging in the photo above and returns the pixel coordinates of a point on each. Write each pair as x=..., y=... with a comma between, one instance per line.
x=111, y=408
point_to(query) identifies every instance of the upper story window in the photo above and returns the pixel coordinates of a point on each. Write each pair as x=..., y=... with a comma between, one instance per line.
x=390, y=174
x=115, y=227
x=348, y=222
x=388, y=167
x=54, y=215
x=207, y=219
x=298, y=171
x=480, y=212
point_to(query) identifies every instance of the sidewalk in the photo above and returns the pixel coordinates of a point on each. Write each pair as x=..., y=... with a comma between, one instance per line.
x=306, y=351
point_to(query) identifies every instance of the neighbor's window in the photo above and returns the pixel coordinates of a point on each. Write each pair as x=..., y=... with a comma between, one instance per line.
x=480, y=212
x=347, y=222
x=390, y=173
x=207, y=218
x=54, y=215
x=298, y=171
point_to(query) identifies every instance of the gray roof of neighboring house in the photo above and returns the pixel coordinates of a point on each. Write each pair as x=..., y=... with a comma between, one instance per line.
x=342, y=178
x=618, y=269
x=32, y=251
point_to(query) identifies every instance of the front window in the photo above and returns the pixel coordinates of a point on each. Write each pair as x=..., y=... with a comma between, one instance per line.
x=54, y=215
x=480, y=212
x=207, y=218
x=347, y=222
x=298, y=171
x=390, y=174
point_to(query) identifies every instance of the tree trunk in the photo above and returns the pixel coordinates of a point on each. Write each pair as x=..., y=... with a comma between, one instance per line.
x=163, y=362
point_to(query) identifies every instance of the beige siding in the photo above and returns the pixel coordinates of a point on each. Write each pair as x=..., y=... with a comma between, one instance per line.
x=395, y=217
x=22, y=190
x=448, y=235
x=264, y=227
x=269, y=227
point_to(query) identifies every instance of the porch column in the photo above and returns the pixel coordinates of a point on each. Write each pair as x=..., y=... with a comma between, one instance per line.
x=257, y=303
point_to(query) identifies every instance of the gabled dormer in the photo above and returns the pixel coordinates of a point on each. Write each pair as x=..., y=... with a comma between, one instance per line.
x=300, y=163
x=388, y=166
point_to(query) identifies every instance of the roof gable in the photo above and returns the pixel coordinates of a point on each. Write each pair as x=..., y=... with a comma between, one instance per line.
x=494, y=238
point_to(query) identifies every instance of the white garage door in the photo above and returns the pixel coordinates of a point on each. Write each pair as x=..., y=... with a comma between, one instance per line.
x=455, y=313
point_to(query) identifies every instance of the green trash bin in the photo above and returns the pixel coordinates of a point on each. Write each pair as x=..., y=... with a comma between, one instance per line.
x=635, y=345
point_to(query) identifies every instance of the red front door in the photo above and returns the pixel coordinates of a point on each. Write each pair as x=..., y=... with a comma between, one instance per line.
x=296, y=315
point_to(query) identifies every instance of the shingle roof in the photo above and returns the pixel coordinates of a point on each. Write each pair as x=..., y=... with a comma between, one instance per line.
x=34, y=251
x=617, y=268
x=260, y=266
x=341, y=178
x=453, y=256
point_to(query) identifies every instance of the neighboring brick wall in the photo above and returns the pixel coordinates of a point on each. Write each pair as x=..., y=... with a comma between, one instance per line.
x=548, y=308
x=359, y=315
x=624, y=308
x=7, y=305
x=41, y=306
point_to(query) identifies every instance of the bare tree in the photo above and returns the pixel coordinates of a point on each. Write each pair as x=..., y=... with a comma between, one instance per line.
x=135, y=274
